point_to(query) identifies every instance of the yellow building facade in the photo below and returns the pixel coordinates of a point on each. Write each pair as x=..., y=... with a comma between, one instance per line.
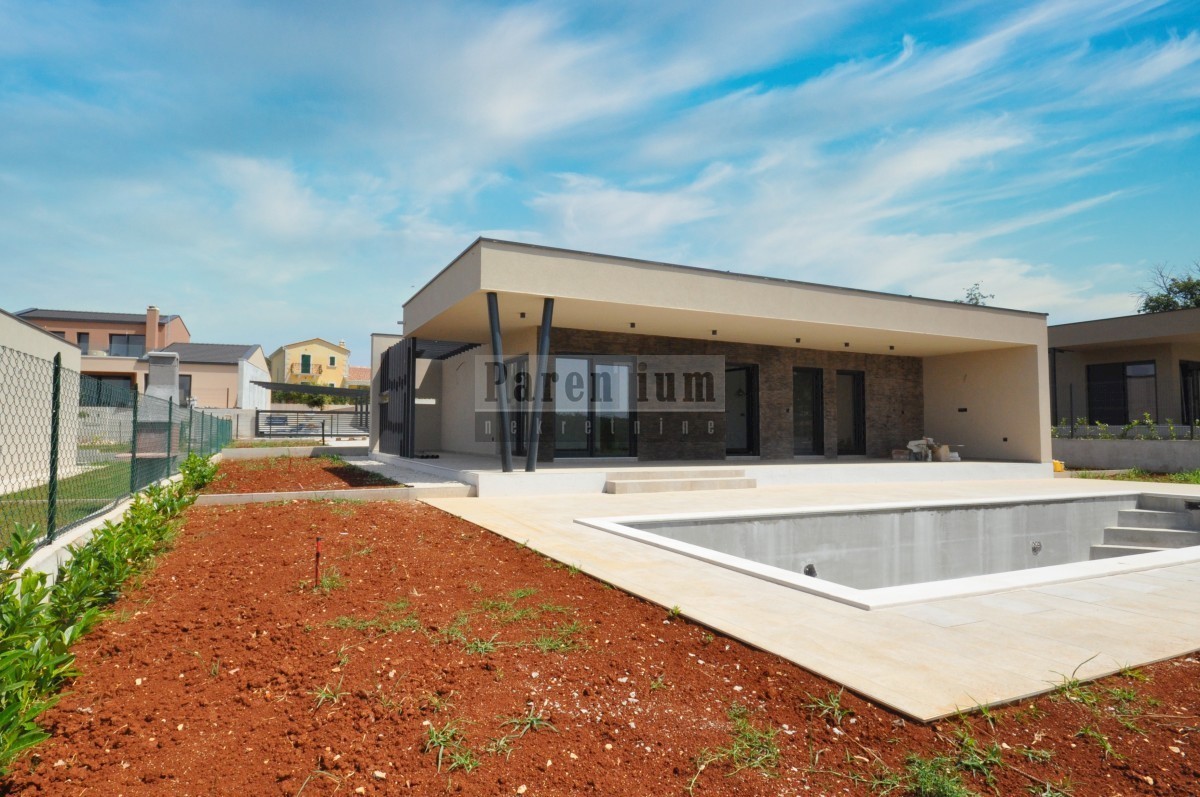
x=311, y=362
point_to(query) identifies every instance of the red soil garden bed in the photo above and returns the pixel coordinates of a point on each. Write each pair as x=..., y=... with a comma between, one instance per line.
x=284, y=474
x=226, y=672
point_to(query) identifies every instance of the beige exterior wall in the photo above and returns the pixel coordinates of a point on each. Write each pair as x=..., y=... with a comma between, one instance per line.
x=458, y=405
x=25, y=337
x=26, y=374
x=1071, y=376
x=1006, y=397
x=213, y=385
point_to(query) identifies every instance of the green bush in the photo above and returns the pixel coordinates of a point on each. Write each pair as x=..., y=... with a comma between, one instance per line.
x=197, y=472
x=40, y=620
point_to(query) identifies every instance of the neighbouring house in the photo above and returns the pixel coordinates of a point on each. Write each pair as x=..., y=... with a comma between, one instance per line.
x=359, y=376
x=311, y=362
x=1117, y=370
x=652, y=361
x=223, y=375
x=114, y=348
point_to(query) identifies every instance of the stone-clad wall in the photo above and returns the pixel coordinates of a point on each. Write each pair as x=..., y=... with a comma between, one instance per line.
x=894, y=395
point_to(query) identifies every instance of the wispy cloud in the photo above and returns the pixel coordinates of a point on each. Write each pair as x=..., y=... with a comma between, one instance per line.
x=332, y=157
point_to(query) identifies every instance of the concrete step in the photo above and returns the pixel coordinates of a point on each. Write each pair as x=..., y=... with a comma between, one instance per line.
x=681, y=473
x=1154, y=519
x=1168, y=503
x=1156, y=537
x=623, y=486
x=1112, y=551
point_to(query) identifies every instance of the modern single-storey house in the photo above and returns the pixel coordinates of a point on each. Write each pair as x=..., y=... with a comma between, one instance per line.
x=1115, y=370
x=611, y=357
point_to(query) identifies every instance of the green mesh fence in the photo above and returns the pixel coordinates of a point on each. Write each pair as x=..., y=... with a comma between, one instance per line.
x=72, y=446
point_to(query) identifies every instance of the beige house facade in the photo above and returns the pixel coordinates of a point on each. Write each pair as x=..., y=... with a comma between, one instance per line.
x=1118, y=370
x=653, y=361
x=113, y=348
x=311, y=362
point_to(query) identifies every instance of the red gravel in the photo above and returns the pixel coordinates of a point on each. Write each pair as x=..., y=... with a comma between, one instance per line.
x=208, y=680
x=283, y=474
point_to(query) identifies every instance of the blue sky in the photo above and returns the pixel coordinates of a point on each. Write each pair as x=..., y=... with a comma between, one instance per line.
x=278, y=171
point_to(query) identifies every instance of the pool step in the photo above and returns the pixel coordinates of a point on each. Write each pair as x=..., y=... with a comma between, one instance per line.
x=1111, y=551
x=1155, y=519
x=1155, y=537
x=667, y=481
x=1168, y=503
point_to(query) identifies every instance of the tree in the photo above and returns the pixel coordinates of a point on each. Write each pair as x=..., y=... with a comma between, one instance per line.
x=976, y=296
x=1169, y=291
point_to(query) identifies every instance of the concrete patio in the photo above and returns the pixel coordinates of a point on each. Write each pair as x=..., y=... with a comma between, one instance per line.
x=926, y=660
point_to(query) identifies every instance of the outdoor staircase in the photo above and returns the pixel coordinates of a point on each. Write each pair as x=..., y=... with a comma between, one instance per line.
x=1160, y=522
x=666, y=481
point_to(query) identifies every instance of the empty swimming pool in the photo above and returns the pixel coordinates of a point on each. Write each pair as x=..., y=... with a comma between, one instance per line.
x=886, y=555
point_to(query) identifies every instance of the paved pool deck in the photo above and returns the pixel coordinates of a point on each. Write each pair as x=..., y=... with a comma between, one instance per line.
x=926, y=660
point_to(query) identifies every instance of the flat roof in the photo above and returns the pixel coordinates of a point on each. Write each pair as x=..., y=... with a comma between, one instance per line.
x=1170, y=326
x=621, y=295
x=708, y=271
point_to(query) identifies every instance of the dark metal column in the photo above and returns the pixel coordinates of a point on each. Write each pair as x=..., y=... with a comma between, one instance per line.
x=502, y=393
x=539, y=377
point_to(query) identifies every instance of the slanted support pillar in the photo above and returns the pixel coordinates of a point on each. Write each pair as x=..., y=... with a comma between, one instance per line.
x=539, y=378
x=502, y=392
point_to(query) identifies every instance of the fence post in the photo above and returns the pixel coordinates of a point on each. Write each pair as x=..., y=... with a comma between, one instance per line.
x=191, y=420
x=133, y=435
x=52, y=491
x=170, y=433
x=322, y=432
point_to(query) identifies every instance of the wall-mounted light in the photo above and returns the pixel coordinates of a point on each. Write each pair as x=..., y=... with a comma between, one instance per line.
x=714, y=331
x=797, y=340
x=632, y=325
x=847, y=344
x=522, y=315
x=891, y=348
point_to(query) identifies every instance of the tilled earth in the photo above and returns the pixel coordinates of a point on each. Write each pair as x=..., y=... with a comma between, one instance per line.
x=433, y=657
x=284, y=474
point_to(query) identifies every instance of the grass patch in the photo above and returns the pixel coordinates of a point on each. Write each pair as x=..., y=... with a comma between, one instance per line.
x=751, y=747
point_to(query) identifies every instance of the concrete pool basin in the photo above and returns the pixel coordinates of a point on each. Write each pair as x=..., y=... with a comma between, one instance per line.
x=892, y=554
x=926, y=659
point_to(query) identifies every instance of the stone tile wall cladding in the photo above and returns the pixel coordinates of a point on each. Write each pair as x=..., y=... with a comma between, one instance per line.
x=893, y=386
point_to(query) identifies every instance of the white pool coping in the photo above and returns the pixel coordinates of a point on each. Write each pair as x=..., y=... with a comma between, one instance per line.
x=907, y=594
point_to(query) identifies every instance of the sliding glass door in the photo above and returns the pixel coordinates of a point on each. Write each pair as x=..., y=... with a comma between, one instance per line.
x=593, y=407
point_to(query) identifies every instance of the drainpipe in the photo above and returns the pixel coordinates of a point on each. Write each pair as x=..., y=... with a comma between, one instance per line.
x=543, y=355
x=502, y=393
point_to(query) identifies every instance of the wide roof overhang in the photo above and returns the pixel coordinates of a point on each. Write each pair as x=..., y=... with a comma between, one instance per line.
x=610, y=294
x=1149, y=329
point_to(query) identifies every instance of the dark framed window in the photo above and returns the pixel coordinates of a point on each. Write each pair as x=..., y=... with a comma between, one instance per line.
x=84, y=340
x=126, y=345
x=62, y=335
x=185, y=389
x=1119, y=393
x=306, y=363
x=332, y=361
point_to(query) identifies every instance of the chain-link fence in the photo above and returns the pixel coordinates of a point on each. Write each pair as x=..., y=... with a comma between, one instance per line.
x=72, y=446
